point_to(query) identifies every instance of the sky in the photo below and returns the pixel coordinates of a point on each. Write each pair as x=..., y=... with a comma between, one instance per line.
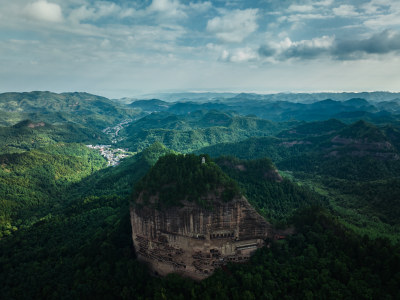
x=127, y=48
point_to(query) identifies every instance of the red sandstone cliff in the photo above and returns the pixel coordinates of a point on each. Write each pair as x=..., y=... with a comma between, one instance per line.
x=192, y=240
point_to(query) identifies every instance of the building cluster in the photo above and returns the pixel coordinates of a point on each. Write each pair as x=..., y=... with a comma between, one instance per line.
x=194, y=241
x=112, y=155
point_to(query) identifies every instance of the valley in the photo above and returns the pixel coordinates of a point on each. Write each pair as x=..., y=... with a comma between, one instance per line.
x=113, y=131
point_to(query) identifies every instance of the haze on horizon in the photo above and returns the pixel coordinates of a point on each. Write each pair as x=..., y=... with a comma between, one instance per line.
x=123, y=48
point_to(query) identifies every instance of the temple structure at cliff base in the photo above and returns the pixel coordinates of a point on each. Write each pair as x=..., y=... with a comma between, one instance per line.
x=193, y=241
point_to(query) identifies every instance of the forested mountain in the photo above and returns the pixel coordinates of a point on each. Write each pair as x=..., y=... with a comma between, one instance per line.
x=177, y=178
x=82, y=108
x=262, y=184
x=150, y=105
x=27, y=135
x=324, y=173
x=189, y=132
x=347, y=163
x=34, y=183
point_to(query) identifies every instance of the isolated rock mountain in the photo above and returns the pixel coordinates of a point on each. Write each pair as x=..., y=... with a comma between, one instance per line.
x=201, y=228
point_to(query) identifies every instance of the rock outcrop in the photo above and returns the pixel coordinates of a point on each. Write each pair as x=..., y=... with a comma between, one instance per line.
x=189, y=217
x=194, y=241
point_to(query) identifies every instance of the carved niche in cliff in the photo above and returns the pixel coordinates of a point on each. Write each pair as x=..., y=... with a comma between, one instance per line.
x=194, y=241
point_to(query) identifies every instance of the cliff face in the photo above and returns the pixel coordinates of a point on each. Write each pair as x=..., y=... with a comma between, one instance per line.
x=192, y=240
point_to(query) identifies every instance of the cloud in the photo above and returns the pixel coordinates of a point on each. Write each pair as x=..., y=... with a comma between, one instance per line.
x=304, y=49
x=44, y=11
x=311, y=10
x=99, y=10
x=169, y=8
x=381, y=43
x=300, y=8
x=200, y=6
x=234, y=26
x=266, y=51
x=345, y=11
x=327, y=46
x=308, y=49
x=239, y=55
x=323, y=3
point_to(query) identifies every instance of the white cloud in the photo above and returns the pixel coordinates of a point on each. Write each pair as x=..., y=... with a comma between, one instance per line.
x=323, y=3
x=239, y=55
x=125, y=13
x=311, y=10
x=383, y=14
x=99, y=10
x=304, y=49
x=200, y=6
x=234, y=26
x=345, y=11
x=303, y=17
x=300, y=8
x=44, y=11
x=169, y=8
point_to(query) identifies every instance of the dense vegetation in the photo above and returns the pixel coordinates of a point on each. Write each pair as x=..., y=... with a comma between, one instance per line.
x=27, y=135
x=190, y=132
x=355, y=167
x=34, y=183
x=64, y=222
x=88, y=253
x=91, y=111
x=175, y=178
x=276, y=198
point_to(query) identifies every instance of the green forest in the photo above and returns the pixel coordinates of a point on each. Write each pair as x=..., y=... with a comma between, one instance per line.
x=65, y=230
x=176, y=178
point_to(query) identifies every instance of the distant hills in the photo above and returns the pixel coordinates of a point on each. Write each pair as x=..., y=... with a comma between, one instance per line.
x=99, y=112
x=282, y=109
x=290, y=97
x=314, y=97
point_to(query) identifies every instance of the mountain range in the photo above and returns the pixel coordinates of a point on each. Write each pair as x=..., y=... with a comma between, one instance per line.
x=321, y=169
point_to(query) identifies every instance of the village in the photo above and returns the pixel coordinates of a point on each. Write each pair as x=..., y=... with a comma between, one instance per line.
x=113, y=156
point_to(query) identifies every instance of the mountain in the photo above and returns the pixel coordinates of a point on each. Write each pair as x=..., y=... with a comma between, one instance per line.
x=275, y=197
x=82, y=108
x=32, y=183
x=357, y=102
x=358, y=151
x=313, y=129
x=194, y=96
x=390, y=106
x=324, y=142
x=83, y=248
x=27, y=135
x=189, y=218
x=186, y=133
x=279, y=108
x=150, y=105
x=188, y=107
x=326, y=180
x=345, y=164
x=314, y=97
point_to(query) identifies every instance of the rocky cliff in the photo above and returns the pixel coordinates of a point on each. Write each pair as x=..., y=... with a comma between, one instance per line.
x=194, y=239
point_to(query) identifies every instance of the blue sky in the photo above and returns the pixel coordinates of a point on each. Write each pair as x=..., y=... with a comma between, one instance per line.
x=127, y=48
